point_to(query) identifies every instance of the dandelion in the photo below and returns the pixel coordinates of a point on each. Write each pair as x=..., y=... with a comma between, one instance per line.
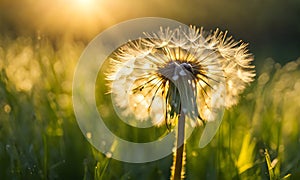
x=179, y=77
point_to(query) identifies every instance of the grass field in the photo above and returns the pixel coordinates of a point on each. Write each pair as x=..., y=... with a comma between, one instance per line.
x=40, y=139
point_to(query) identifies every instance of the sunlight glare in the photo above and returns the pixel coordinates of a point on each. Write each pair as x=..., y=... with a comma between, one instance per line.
x=84, y=2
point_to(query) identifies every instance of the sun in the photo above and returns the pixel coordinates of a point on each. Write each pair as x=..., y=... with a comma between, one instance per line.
x=85, y=3
x=85, y=8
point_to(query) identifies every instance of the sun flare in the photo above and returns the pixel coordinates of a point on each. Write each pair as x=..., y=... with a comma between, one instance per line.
x=85, y=3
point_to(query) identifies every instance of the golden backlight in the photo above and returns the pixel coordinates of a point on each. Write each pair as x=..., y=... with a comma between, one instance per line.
x=85, y=2
x=85, y=6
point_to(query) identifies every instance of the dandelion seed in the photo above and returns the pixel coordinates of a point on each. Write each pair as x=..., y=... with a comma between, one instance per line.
x=186, y=72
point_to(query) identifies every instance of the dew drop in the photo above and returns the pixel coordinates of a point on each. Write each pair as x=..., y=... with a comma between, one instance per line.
x=89, y=135
x=108, y=154
x=195, y=153
x=7, y=108
x=182, y=73
x=175, y=77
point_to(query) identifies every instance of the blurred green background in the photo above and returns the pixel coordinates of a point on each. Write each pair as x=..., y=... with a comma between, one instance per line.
x=41, y=42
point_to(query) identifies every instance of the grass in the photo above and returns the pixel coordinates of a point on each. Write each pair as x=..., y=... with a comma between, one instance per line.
x=40, y=139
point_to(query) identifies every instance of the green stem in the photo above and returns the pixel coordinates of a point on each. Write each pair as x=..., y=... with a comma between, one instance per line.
x=179, y=156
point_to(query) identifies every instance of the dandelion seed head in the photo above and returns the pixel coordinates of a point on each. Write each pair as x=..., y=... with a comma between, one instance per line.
x=178, y=69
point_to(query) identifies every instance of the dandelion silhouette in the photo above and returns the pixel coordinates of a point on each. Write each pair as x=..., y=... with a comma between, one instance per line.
x=179, y=77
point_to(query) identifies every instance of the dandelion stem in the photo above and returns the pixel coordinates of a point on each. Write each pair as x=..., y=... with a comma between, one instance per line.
x=179, y=158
